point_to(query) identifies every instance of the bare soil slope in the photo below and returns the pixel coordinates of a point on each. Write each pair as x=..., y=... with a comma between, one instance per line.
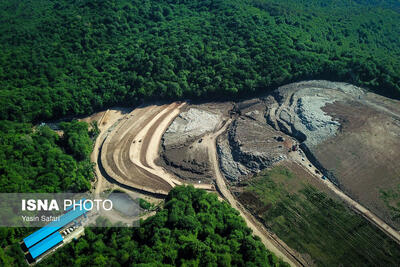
x=123, y=153
x=183, y=151
x=352, y=135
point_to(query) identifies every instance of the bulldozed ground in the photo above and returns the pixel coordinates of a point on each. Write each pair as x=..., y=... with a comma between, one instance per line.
x=183, y=152
x=320, y=132
x=310, y=219
x=364, y=155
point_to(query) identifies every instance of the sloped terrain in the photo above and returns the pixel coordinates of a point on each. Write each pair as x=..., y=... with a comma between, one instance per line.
x=125, y=152
x=352, y=135
x=183, y=151
x=312, y=220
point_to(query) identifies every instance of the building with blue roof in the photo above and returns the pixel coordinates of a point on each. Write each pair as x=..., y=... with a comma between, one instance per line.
x=64, y=219
x=45, y=245
x=49, y=236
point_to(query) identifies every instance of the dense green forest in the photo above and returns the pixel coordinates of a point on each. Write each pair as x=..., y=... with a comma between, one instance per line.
x=311, y=222
x=193, y=229
x=64, y=58
x=74, y=57
x=38, y=160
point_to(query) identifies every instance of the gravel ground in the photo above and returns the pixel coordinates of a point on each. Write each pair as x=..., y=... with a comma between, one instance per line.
x=313, y=122
x=190, y=125
x=230, y=168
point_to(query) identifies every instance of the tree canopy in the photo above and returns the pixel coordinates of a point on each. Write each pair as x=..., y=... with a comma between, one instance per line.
x=36, y=159
x=73, y=57
x=193, y=229
x=63, y=58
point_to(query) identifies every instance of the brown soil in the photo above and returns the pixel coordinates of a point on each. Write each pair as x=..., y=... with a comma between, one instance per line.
x=116, y=152
x=364, y=155
x=189, y=161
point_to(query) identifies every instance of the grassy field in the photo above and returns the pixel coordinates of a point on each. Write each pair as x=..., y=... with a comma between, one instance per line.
x=311, y=222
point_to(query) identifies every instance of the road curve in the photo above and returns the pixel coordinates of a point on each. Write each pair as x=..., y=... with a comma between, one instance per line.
x=144, y=153
x=367, y=214
x=115, y=152
x=129, y=150
x=271, y=243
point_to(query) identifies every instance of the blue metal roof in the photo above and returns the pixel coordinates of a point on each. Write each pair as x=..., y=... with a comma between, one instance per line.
x=45, y=245
x=56, y=225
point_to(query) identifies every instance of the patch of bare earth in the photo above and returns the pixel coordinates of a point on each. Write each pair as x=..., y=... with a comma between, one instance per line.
x=364, y=154
x=183, y=152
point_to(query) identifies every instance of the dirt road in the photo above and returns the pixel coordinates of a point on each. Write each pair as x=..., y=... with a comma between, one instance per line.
x=129, y=145
x=146, y=152
x=108, y=118
x=115, y=156
x=127, y=150
x=271, y=243
x=302, y=160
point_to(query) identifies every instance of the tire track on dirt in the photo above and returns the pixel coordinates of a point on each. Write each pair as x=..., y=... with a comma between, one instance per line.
x=115, y=155
x=367, y=214
x=273, y=244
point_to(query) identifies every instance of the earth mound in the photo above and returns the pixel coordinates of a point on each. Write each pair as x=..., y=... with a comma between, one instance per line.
x=352, y=135
x=183, y=152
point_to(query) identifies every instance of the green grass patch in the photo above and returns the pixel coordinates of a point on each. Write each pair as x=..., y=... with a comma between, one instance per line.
x=144, y=204
x=311, y=222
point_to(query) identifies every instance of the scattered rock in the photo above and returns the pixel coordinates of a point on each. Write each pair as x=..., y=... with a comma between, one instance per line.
x=190, y=125
x=246, y=148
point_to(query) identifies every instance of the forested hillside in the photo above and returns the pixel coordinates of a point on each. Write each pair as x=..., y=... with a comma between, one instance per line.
x=38, y=160
x=64, y=58
x=193, y=229
x=72, y=57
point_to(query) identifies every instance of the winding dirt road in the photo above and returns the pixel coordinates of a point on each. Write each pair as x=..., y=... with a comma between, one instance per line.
x=109, y=118
x=129, y=145
x=127, y=150
x=289, y=103
x=367, y=214
x=273, y=244
x=116, y=157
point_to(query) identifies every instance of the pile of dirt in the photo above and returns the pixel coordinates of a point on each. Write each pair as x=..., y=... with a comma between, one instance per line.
x=183, y=152
x=250, y=144
x=350, y=134
x=314, y=123
x=190, y=125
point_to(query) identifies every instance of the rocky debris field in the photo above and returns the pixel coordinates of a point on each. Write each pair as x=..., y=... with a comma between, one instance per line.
x=297, y=109
x=183, y=152
x=250, y=146
x=191, y=124
x=350, y=134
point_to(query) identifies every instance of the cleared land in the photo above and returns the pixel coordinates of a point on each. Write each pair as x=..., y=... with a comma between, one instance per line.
x=183, y=152
x=310, y=219
x=351, y=136
x=273, y=244
x=124, y=160
x=128, y=148
x=364, y=156
x=149, y=148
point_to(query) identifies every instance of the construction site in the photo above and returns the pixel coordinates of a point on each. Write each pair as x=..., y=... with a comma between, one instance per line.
x=219, y=146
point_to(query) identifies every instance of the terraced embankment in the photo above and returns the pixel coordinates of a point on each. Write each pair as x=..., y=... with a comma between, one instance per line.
x=350, y=136
x=124, y=152
x=250, y=136
x=272, y=243
x=128, y=150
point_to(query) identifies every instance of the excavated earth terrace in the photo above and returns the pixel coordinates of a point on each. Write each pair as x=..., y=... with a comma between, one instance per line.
x=348, y=133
